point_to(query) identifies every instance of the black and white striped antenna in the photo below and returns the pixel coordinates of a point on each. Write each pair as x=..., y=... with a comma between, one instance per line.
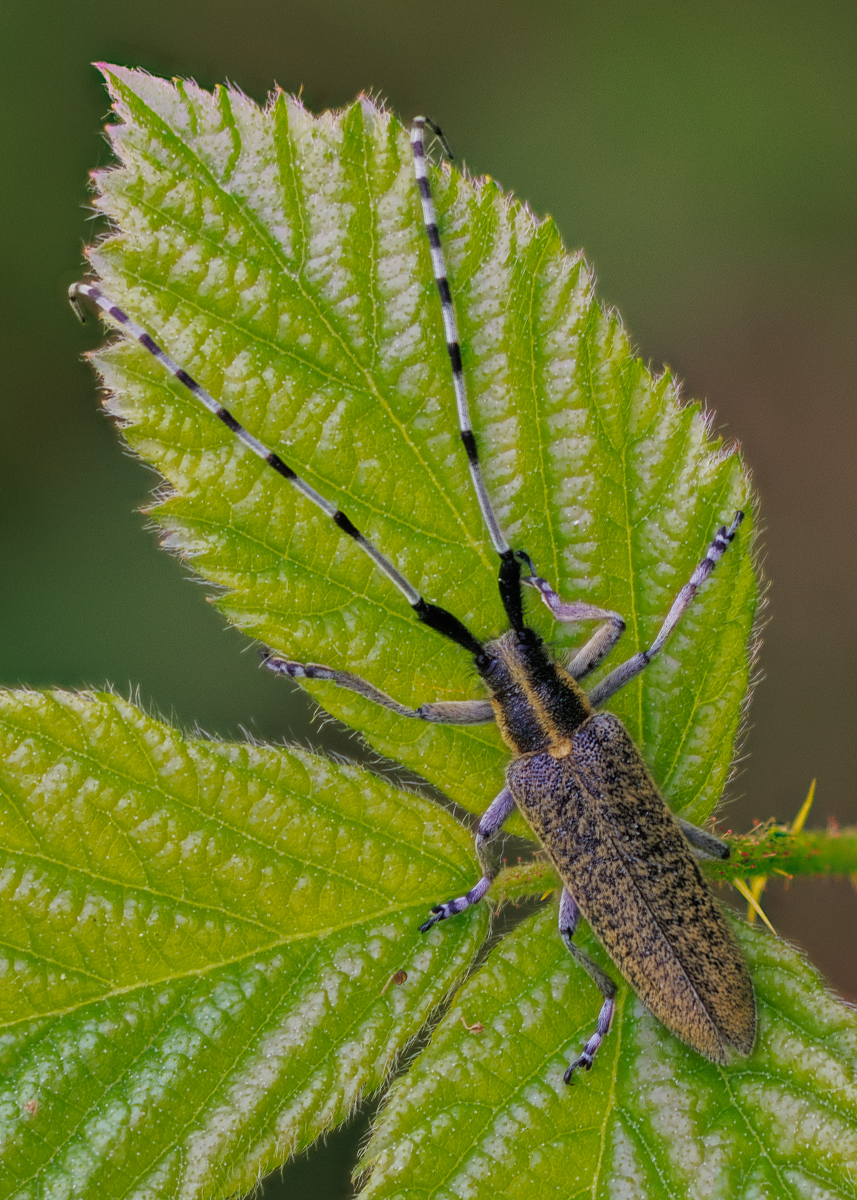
x=510, y=570
x=430, y=614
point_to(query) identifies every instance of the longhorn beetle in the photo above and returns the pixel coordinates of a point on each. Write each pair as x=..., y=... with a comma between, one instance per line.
x=580, y=782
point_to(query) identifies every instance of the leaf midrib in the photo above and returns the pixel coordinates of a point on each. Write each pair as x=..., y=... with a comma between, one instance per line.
x=311, y=473
x=208, y=818
x=367, y=920
x=547, y=514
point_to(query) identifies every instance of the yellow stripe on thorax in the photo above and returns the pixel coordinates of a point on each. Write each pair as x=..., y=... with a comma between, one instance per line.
x=557, y=740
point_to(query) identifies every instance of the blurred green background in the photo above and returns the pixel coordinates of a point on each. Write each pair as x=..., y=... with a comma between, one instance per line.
x=704, y=157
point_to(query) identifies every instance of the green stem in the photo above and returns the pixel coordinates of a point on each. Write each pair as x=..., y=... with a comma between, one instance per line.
x=769, y=850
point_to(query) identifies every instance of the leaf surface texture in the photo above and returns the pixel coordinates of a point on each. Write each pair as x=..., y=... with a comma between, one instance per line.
x=200, y=938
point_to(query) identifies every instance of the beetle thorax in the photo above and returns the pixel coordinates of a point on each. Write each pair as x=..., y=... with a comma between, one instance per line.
x=538, y=704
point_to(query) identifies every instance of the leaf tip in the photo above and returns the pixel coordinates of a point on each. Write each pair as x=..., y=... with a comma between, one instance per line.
x=108, y=70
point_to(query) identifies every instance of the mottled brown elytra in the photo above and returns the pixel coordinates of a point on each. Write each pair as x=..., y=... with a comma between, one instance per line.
x=578, y=779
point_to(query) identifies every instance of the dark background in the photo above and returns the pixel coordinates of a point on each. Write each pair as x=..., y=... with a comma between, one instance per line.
x=704, y=157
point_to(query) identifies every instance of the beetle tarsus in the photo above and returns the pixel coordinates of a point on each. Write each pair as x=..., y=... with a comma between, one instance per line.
x=440, y=915
x=442, y=911
x=587, y=1055
x=586, y=1058
x=585, y=1061
x=488, y=828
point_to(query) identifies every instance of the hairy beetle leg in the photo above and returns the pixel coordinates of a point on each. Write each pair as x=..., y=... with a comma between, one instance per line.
x=490, y=825
x=453, y=907
x=617, y=679
x=605, y=1018
x=448, y=712
x=569, y=916
x=705, y=844
x=603, y=640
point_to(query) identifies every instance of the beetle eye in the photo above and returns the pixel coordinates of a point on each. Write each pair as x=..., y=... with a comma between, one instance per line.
x=485, y=664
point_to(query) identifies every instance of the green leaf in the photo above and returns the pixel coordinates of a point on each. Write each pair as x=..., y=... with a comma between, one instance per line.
x=485, y=1112
x=282, y=260
x=196, y=940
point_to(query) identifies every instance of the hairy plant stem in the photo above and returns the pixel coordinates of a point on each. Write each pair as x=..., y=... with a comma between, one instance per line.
x=769, y=849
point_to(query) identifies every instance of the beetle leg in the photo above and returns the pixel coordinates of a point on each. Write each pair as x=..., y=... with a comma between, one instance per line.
x=490, y=825
x=709, y=845
x=569, y=915
x=630, y=669
x=598, y=647
x=601, y=642
x=444, y=712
